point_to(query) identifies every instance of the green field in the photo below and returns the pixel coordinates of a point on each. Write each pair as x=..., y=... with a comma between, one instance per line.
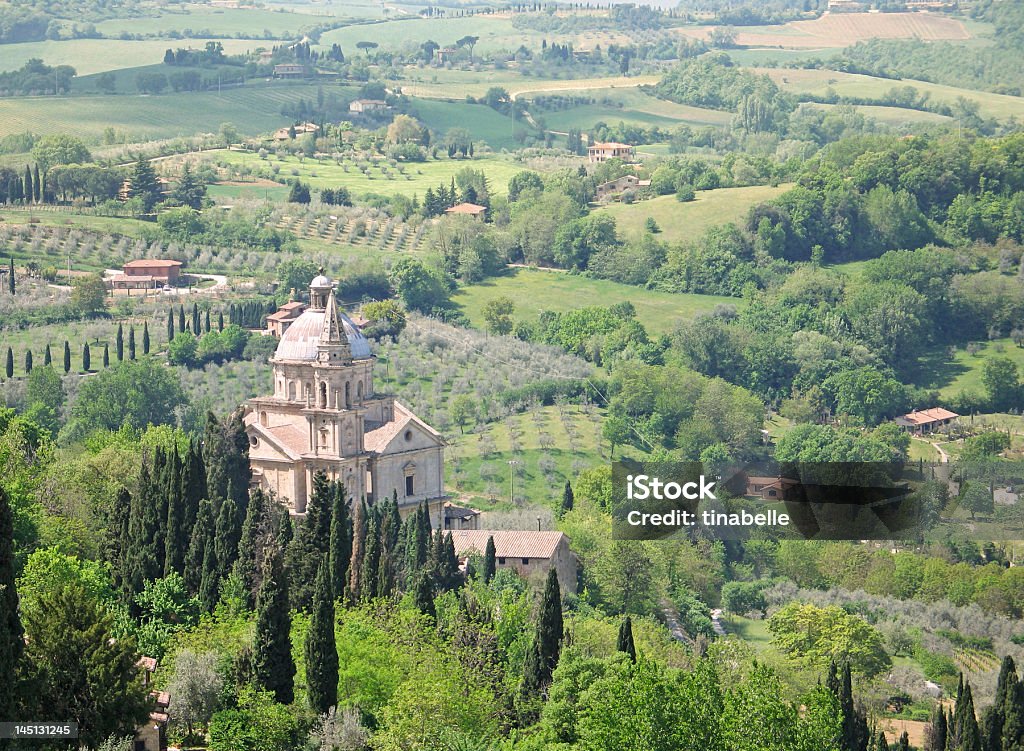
x=256, y=22
x=254, y=109
x=893, y=116
x=963, y=373
x=686, y=221
x=534, y=290
x=819, y=82
x=483, y=123
x=88, y=56
x=417, y=178
x=630, y=106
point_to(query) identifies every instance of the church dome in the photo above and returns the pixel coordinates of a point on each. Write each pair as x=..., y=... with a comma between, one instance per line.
x=321, y=282
x=300, y=340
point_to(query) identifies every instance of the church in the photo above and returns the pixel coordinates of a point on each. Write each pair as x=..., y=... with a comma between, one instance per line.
x=325, y=415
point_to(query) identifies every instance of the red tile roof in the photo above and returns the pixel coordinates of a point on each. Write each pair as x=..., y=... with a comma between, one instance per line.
x=151, y=263
x=927, y=416
x=466, y=208
x=507, y=543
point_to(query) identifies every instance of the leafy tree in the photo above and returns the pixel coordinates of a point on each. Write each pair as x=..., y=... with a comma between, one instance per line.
x=816, y=635
x=498, y=315
x=1001, y=382
x=78, y=670
x=320, y=649
x=196, y=688
x=417, y=286
x=50, y=151
x=299, y=193
x=741, y=598
x=976, y=497
x=136, y=393
x=89, y=294
x=273, y=667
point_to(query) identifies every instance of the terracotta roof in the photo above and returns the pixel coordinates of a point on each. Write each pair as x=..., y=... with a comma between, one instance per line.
x=147, y=663
x=610, y=145
x=379, y=438
x=151, y=263
x=451, y=511
x=507, y=543
x=284, y=315
x=163, y=699
x=926, y=416
x=466, y=208
x=292, y=439
x=131, y=278
x=293, y=305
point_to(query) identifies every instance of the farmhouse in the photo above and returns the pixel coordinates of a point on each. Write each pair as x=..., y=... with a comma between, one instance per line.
x=445, y=55
x=152, y=734
x=524, y=552
x=147, y=274
x=325, y=415
x=289, y=70
x=362, y=106
x=768, y=488
x=460, y=517
x=612, y=188
x=278, y=323
x=602, y=152
x=283, y=134
x=469, y=209
x=926, y=420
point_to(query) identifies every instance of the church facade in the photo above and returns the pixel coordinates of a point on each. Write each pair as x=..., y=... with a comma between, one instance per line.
x=325, y=415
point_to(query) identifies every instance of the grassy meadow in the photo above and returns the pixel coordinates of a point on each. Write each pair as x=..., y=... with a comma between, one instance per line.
x=417, y=178
x=686, y=221
x=534, y=290
x=628, y=105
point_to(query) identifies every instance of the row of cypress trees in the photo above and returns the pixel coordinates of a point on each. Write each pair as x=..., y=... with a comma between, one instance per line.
x=1002, y=726
x=119, y=352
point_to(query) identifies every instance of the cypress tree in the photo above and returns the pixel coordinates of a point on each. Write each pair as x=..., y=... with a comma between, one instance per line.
x=881, y=744
x=568, y=498
x=145, y=337
x=9, y=365
x=220, y=320
x=28, y=361
x=67, y=357
x=119, y=343
x=547, y=641
x=200, y=539
x=12, y=642
x=936, y=732
x=340, y=547
x=448, y=574
x=86, y=358
x=196, y=326
x=206, y=321
x=625, y=642
x=37, y=185
x=904, y=742
x=254, y=532
x=355, y=565
x=369, y=575
x=995, y=715
x=12, y=284
x=106, y=355
x=228, y=534
x=425, y=594
x=284, y=530
x=178, y=532
x=320, y=649
x=209, y=584
x=28, y=184
x=131, y=342
x=116, y=534
x=47, y=357
x=1013, y=724
x=967, y=734
x=145, y=527
x=170, y=326
x=181, y=319
x=273, y=667
x=490, y=561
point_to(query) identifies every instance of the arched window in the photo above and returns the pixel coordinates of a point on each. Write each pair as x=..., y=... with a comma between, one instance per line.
x=323, y=395
x=348, y=399
x=263, y=418
x=359, y=392
x=291, y=390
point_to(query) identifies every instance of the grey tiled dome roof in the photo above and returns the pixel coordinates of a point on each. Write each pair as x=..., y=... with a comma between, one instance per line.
x=300, y=341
